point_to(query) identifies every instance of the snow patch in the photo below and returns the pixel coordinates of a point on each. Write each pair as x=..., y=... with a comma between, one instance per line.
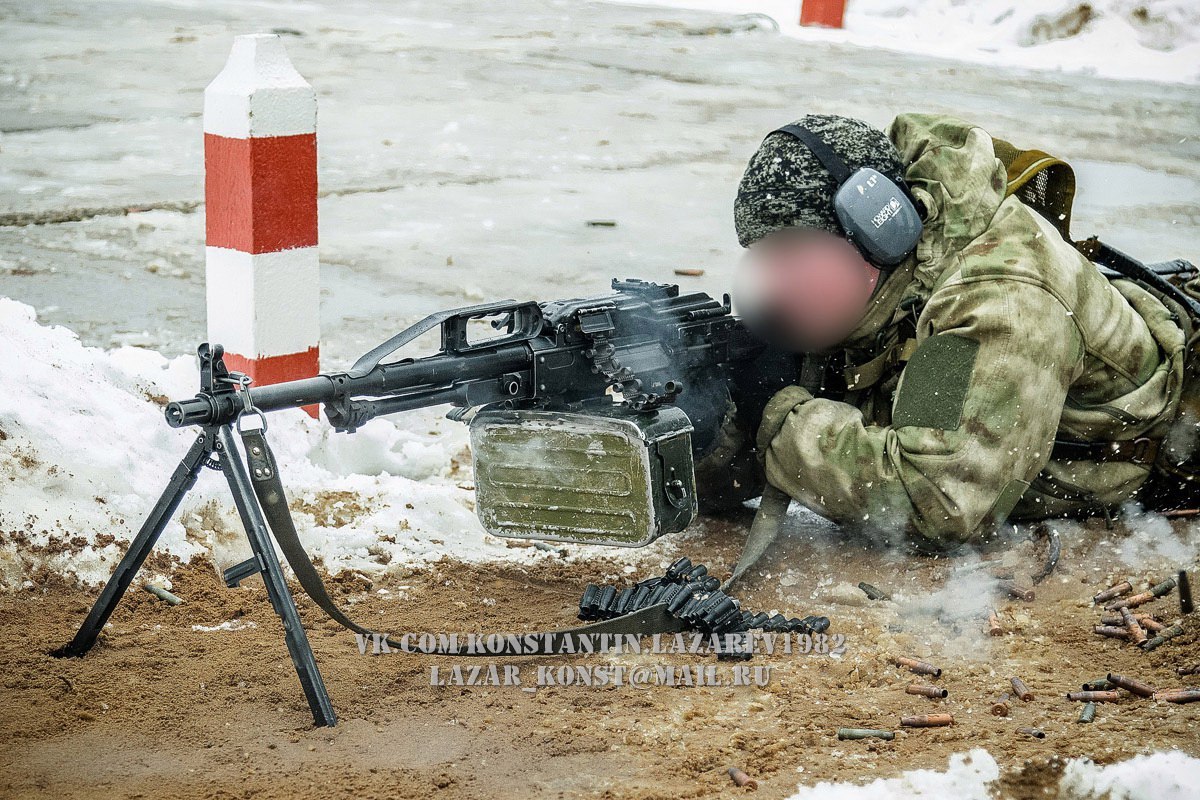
x=1154, y=40
x=969, y=776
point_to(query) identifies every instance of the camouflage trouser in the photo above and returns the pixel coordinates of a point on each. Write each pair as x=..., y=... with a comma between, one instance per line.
x=1175, y=479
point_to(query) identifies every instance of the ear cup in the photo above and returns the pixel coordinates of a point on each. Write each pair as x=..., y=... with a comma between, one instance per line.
x=878, y=217
x=876, y=213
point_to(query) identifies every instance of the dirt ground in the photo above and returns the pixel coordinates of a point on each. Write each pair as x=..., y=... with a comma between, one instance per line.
x=161, y=709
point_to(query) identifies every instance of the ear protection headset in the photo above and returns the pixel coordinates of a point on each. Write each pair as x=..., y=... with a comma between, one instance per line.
x=876, y=213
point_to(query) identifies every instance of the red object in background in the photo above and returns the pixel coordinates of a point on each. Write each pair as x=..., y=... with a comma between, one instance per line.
x=825, y=13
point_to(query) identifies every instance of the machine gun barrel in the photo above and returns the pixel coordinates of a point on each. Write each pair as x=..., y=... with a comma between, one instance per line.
x=408, y=384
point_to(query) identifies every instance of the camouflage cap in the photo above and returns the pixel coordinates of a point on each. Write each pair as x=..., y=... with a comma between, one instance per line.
x=786, y=186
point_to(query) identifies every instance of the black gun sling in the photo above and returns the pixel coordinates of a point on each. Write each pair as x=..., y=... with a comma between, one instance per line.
x=264, y=476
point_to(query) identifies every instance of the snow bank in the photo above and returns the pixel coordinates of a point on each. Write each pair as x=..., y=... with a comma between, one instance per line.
x=969, y=776
x=1157, y=40
x=85, y=451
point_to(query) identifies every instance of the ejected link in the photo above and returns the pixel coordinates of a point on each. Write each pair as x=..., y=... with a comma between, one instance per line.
x=1192, y=670
x=873, y=593
x=1109, y=696
x=1020, y=689
x=1088, y=713
x=1163, y=636
x=926, y=691
x=1098, y=685
x=919, y=667
x=1125, y=587
x=864, y=733
x=1131, y=685
x=927, y=721
x=1177, y=695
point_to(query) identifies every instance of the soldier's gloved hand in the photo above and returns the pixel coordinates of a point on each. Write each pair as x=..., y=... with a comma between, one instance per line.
x=775, y=414
x=728, y=475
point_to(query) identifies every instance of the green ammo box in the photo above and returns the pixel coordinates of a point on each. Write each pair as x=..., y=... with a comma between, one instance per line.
x=601, y=476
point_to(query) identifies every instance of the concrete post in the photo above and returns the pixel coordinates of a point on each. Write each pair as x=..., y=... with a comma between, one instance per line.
x=260, y=191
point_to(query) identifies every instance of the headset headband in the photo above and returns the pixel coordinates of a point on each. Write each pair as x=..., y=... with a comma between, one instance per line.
x=830, y=160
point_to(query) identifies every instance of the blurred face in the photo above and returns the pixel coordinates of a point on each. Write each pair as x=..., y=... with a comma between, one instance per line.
x=804, y=288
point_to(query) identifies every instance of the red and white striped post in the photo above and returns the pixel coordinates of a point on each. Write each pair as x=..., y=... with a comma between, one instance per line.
x=822, y=13
x=260, y=193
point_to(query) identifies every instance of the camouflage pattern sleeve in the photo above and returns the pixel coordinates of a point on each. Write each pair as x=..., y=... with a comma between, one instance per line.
x=973, y=418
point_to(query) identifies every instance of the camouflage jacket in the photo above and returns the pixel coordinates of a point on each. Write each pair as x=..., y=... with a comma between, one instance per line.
x=1015, y=339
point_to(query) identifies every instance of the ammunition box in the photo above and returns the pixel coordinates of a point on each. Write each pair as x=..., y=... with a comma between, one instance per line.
x=607, y=475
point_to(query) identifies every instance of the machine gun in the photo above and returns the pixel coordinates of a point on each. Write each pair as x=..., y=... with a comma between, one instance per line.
x=587, y=419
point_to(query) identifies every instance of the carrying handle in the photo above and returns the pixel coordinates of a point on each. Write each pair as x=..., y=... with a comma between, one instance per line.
x=524, y=323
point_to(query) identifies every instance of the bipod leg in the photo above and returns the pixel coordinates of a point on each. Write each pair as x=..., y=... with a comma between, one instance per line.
x=281, y=599
x=181, y=481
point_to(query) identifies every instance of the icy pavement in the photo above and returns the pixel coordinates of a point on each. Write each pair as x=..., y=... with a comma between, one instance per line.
x=463, y=149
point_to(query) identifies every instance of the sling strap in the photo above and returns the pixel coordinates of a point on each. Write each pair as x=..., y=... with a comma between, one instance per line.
x=1133, y=451
x=268, y=487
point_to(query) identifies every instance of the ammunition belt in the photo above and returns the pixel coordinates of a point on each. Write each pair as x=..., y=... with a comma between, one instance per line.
x=693, y=597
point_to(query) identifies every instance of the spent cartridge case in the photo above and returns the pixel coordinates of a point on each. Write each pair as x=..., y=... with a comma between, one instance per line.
x=742, y=779
x=1020, y=689
x=917, y=666
x=1130, y=602
x=927, y=721
x=1131, y=685
x=1016, y=591
x=1137, y=634
x=1107, y=696
x=1162, y=636
x=1160, y=589
x=1124, y=587
x=1087, y=713
x=864, y=733
x=162, y=594
x=1190, y=695
x=1111, y=631
x=926, y=691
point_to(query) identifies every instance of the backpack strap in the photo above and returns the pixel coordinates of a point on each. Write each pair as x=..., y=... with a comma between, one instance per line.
x=1041, y=181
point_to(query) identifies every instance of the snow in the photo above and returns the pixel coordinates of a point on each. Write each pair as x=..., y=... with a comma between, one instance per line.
x=1155, y=40
x=84, y=451
x=969, y=776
